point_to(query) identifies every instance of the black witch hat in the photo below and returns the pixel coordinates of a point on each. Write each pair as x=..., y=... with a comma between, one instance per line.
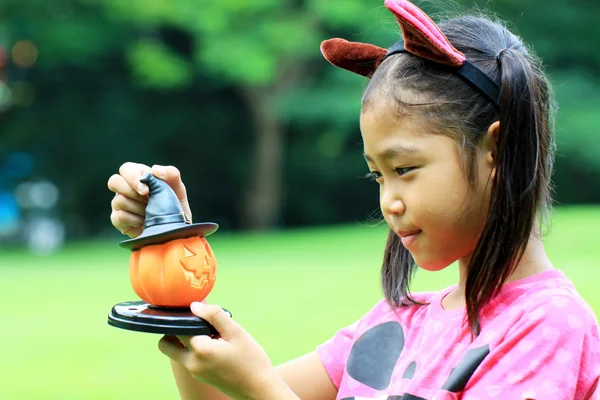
x=165, y=219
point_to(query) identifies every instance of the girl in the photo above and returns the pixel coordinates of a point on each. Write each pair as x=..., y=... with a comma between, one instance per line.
x=457, y=126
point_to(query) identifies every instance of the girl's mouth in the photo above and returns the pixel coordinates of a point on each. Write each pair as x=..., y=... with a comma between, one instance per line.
x=408, y=238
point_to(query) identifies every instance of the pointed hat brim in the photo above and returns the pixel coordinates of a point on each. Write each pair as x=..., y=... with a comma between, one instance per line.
x=159, y=234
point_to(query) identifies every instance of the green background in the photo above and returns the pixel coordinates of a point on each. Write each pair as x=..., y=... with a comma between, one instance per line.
x=290, y=290
x=237, y=96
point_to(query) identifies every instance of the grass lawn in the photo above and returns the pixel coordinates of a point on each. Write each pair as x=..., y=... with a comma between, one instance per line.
x=291, y=290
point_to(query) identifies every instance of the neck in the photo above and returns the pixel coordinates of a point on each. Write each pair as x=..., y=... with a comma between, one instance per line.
x=534, y=261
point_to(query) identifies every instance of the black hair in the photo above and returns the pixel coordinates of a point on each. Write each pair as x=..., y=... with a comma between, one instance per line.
x=521, y=193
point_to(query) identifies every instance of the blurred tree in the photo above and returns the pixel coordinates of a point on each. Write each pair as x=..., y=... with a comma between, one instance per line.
x=265, y=48
x=93, y=83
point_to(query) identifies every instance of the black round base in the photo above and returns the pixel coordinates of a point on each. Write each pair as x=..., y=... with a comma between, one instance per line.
x=143, y=317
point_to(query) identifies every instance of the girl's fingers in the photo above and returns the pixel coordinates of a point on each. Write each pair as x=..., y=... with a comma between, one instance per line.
x=173, y=348
x=204, y=345
x=133, y=231
x=218, y=318
x=128, y=206
x=126, y=221
x=121, y=202
x=184, y=341
x=197, y=344
x=132, y=172
x=119, y=185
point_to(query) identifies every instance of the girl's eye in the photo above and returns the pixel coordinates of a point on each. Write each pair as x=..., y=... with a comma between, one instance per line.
x=403, y=170
x=373, y=175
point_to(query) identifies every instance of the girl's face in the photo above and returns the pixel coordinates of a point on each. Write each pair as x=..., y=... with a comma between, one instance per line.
x=424, y=193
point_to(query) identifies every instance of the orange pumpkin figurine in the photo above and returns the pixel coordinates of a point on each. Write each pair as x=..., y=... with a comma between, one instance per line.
x=173, y=274
x=171, y=265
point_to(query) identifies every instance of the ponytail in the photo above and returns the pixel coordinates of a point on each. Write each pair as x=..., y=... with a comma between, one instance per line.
x=521, y=183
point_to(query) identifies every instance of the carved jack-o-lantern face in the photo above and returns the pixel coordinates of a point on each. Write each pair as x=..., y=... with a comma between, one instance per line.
x=173, y=274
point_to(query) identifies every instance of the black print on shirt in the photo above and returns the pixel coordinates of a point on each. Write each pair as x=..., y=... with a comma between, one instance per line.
x=461, y=374
x=375, y=353
x=410, y=371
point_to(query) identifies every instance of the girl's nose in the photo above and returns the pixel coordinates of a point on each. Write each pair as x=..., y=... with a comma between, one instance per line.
x=391, y=203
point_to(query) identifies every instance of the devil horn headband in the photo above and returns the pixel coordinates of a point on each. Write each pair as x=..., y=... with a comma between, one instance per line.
x=422, y=38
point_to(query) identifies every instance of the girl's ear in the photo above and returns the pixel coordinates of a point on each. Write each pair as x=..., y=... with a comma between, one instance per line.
x=490, y=146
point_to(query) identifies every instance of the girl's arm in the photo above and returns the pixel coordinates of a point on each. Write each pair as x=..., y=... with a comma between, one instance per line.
x=191, y=389
x=305, y=375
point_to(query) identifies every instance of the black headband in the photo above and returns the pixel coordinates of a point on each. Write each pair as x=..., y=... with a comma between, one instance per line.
x=467, y=71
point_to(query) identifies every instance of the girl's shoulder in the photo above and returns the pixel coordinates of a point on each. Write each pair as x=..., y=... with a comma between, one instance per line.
x=543, y=318
x=554, y=300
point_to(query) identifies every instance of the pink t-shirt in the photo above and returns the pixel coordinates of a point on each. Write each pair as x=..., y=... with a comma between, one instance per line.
x=539, y=340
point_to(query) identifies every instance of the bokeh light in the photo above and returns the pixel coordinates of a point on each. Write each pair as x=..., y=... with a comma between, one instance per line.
x=41, y=194
x=45, y=235
x=24, y=53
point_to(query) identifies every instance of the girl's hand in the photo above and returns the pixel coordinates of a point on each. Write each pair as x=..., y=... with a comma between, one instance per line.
x=233, y=362
x=131, y=196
